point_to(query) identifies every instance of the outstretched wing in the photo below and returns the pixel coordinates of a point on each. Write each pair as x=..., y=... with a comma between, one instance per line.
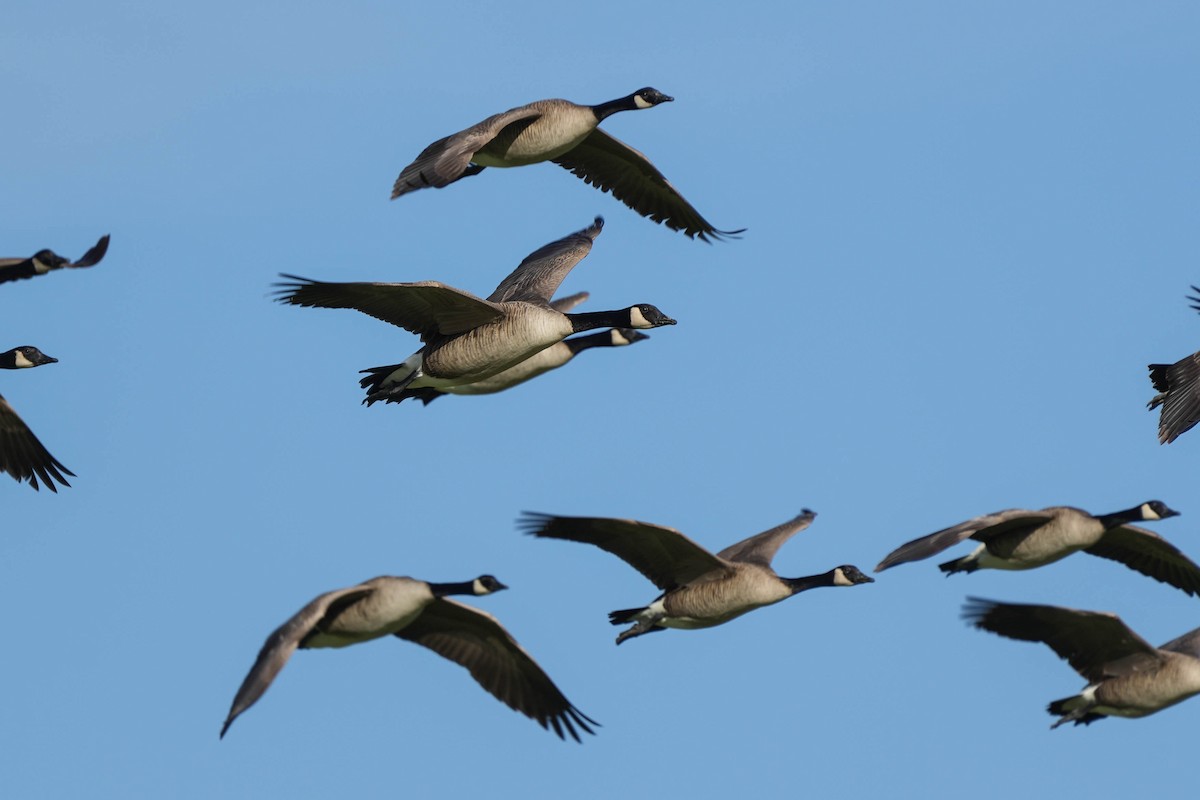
x=611, y=165
x=426, y=308
x=761, y=548
x=476, y=640
x=664, y=555
x=282, y=643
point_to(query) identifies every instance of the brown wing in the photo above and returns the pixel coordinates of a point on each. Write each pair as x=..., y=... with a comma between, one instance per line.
x=23, y=456
x=446, y=160
x=282, y=642
x=981, y=528
x=664, y=555
x=538, y=276
x=1178, y=385
x=1149, y=554
x=426, y=308
x=761, y=548
x=476, y=640
x=1096, y=644
x=611, y=165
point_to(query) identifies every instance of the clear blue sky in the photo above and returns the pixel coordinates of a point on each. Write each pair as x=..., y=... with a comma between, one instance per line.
x=971, y=226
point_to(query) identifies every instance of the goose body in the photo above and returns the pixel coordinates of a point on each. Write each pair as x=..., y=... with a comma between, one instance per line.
x=468, y=339
x=1178, y=387
x=1127, y=677
x=22, y=455
x=43, y=261
x=545, y=360
x=567, y=134
x=1019, y=539
x=422, y=613
x=700, y=589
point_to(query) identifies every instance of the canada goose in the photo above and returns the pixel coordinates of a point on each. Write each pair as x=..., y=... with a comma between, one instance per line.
x=1178, y=388
x=565, y=133
x=21, y=454
x=421, y=613
x=700, y=589
x=468, y=339
x=552, y=357
x=43, y=261
x=1126, y=676
x=1021, y=539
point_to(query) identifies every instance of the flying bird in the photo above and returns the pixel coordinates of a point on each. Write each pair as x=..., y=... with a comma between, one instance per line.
x=1126, y=676
x=699, y=589
x=422, y=613
x=43, y=261
x=567, y=134
x=467, y=339
x=21, y=454
x=1178, y=387
x=1022, y=539
x=541, y=362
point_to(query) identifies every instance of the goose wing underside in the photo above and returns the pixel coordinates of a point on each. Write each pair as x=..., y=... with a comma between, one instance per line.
x=1097, y=645
x=23, y=456
x=427, y=308
x=664, y=555
x=1149, y=554
x=611, y=165
x=476, y=640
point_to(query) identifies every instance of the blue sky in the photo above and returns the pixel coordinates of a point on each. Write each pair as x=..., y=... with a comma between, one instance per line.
x=971, y=226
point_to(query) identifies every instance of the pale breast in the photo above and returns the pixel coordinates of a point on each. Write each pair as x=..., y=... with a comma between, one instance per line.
x=561, y=127
x=484, y=351
x=393, y=604
x=714, y=602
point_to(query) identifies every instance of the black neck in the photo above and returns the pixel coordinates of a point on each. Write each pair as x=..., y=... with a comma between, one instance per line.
x=443, y=589
x=1118, y=518
x=809, y=582
x=580, y=343
x=590, y=320
x=613, y=106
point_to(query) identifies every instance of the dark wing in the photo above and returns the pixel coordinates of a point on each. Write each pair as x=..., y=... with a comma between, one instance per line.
x=664, y=555
x=23, y=456
x=1096, y=644
x=613, y=166
x=476, y=640
x=93, y=257
x=761, y=548
x=1149, y=554
x=282, y=643
x=446, y=160
x=538, y=276
x=427, y=308
x=565, y=304
x=981, y=528
x=1178, y=388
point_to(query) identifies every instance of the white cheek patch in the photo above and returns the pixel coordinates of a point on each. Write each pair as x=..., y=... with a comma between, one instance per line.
x=22, y=361
x=637, y=320
x=1149, y=513
x=840, y=579
x=617, y=338
x=41, y=267
x=640, y=102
